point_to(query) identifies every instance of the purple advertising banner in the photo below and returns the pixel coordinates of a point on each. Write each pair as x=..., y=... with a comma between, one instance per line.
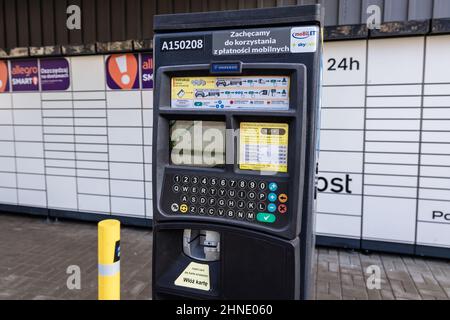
x=25, y=75
x=147, y=70
x=55, y=74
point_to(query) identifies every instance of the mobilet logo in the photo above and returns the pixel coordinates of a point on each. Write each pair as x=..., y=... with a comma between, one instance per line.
x=303, y=34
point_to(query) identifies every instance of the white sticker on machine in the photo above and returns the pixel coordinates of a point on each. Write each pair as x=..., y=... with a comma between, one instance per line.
x=304, y=39
x=231, y=92
x=281, y=40
x=195, y=276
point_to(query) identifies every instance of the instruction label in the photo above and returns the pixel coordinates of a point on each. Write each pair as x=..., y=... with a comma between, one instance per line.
x=195, y=276
x=263, y=146
x=231, y=92
x=265, y=41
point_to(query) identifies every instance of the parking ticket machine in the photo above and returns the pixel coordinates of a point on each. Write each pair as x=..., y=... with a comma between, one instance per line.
x=234, y=153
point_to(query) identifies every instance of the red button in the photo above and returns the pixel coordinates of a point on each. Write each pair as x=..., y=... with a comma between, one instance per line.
x=282, y=208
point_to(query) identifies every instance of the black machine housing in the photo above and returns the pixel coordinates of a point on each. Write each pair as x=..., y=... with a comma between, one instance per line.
x=257, y=260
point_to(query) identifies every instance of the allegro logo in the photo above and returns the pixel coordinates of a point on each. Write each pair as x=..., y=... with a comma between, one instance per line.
x=147, y=64
x=303, y=34
x=17, y=70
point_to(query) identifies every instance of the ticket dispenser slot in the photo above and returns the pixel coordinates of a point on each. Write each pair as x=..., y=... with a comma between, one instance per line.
x=202, y=245
x=234, y=137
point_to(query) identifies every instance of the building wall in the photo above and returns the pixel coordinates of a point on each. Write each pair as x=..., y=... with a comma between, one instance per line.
x=42, y=23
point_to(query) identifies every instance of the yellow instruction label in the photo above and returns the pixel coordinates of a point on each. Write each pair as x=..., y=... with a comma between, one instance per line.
x=195, y=276
x=231, y=92
x=263, y=146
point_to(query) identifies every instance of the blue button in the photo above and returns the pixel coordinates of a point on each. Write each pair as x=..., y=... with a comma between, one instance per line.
x=272, y=197
x=273, y=186
x=272, y=207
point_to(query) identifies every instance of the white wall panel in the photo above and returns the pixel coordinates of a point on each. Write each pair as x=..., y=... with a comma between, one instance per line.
x=395, y=61
x=97, y=204
x=26, y=100
x=341, y=140
x=8, y=180
x=432, y=234
x=342, y=119
x=338, y=225
x=88, y=73
x=5, y=117
x=437, y=62
x=128, y=207
x=62, y=192
x=333, y=97
x=340, y=161
x=31, y=181
x=7, y=164
x=32, y=198
x=339, y=203
x=5, y=101
x=8, y=195
x=124, y=99
x=389, y=219
x=339, y=51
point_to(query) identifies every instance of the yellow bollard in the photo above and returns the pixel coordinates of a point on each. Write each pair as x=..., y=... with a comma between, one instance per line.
x=109, y=260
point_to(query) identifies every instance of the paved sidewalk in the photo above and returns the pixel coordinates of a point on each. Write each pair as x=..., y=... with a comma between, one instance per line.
x=341, y=274
x=34, y=257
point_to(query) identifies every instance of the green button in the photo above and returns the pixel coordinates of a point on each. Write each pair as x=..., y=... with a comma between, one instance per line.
x=265, y=217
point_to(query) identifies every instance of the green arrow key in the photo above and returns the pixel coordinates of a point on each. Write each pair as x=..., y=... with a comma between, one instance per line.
x=265, y=217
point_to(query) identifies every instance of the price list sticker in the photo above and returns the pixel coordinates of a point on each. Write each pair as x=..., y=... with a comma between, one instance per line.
x=263, y=146
x=231, y=92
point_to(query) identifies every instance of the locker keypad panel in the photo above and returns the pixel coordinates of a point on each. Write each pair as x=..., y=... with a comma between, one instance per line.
x=254, y=200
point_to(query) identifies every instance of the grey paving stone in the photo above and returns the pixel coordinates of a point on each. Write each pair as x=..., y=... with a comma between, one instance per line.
x=33, y=265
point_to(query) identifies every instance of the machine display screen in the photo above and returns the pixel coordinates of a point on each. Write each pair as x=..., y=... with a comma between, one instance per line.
x=263, y=146
x=197, y=143
x=231, y=92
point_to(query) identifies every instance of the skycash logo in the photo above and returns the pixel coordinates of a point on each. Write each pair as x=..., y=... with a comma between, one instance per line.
x=304, y=39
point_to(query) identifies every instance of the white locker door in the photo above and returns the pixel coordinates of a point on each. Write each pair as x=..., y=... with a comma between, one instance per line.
x=59, y=141
x=433, y=223
x=8, y=184
x=91, y=135
x=147, y=121
x=342, y=140
x=392, y=139
x=125, y=136
x=29, y=147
